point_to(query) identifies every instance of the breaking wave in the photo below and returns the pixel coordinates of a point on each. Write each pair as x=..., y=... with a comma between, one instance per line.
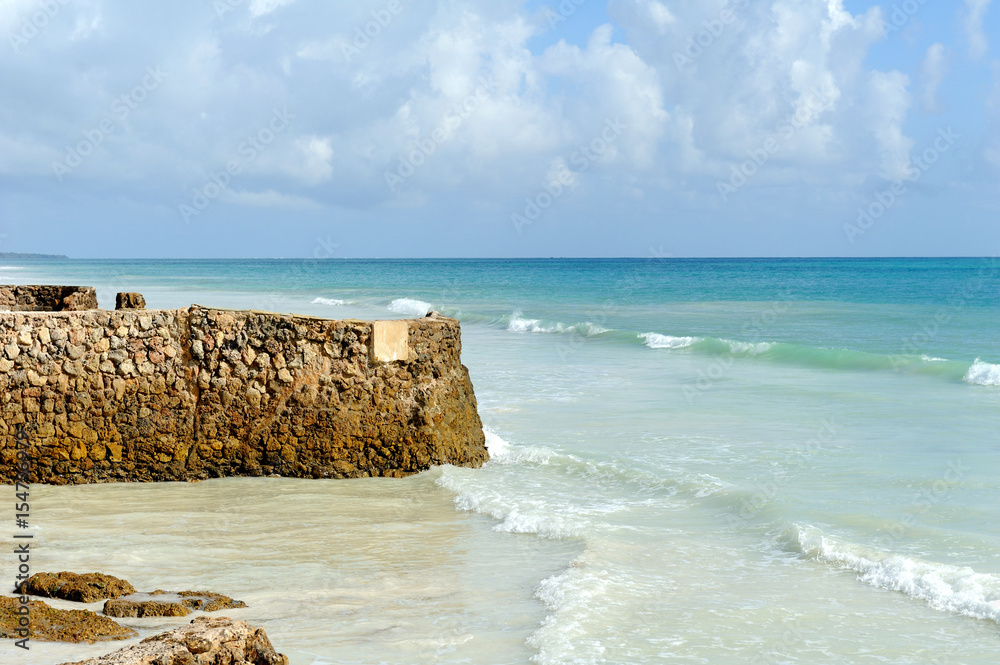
x=944, y=587
x=410, y=306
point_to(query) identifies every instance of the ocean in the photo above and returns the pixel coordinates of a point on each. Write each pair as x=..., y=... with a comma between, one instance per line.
x=693, y=461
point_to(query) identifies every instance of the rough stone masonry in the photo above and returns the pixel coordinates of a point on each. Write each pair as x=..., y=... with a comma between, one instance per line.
x=195, y=393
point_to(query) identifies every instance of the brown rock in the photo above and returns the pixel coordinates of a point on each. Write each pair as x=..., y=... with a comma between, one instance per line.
x=51, y=625
x=206, y=601
x=86, y=588
x=138, y=609
x=128, y=300
x=171, y=604
x=205, y=641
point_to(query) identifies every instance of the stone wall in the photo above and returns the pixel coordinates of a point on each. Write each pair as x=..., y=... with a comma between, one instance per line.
x=47, y=298
x=154, y=395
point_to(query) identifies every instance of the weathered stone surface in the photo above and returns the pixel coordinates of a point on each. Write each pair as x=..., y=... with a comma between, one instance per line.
x=85, y=588
x=124, y=608
x=172, y=604
x=47, y=298
x=129, y=300
x=197, y=393
x=51, y=625
x=206, y=601
x=205, y=641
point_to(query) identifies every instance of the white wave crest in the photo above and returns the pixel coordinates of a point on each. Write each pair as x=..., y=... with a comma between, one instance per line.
x=658, y=341
x=410, y=306
x=983, y=374
x=748, y=348
x=328, y=301
x=930, y=359
x=519, y=324
x=945, y=588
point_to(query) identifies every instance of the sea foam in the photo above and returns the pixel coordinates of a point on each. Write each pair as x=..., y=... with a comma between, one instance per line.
x=519, y=324
x=328, y=301
x=983, y=374
x=944, y=587
x=658, y=341
x=410, y=306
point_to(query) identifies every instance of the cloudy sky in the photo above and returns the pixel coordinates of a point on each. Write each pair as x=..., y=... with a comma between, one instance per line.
x=388, y=128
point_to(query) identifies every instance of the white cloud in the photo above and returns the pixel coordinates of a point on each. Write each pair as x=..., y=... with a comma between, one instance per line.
x=494, y=113
x=889, y=102
x=932, y=71
x=311, y=163
x=260, y=8
x=268, y=199
x=975, y=12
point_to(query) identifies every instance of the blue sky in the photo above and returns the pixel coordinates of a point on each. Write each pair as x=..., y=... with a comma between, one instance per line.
x=279, y=128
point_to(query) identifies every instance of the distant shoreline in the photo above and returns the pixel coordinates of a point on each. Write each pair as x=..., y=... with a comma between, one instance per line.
x=16, y=255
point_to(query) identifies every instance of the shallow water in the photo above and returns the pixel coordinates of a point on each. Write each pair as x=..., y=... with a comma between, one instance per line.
x=693, y=462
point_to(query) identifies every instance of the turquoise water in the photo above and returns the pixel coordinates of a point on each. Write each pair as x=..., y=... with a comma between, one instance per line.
x=694, y=461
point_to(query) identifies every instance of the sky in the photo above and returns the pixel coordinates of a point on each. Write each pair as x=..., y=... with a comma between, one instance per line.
x=499, y=128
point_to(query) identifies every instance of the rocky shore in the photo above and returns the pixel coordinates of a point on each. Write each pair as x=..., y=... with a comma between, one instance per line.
x=131, y=394
x=204, y=641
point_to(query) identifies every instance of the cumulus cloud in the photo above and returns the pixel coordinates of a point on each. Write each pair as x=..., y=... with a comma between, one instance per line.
x=932, y=71
x=975, y=11
x=478, y=98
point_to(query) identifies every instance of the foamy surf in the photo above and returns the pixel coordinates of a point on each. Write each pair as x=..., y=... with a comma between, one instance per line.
x=945, y=588
x=658, y=341
x=410, y=306
x=519, y=324
x=983, y=374
x=332, y=302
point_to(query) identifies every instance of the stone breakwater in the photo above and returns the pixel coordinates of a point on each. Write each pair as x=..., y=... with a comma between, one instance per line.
x=197, y=393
